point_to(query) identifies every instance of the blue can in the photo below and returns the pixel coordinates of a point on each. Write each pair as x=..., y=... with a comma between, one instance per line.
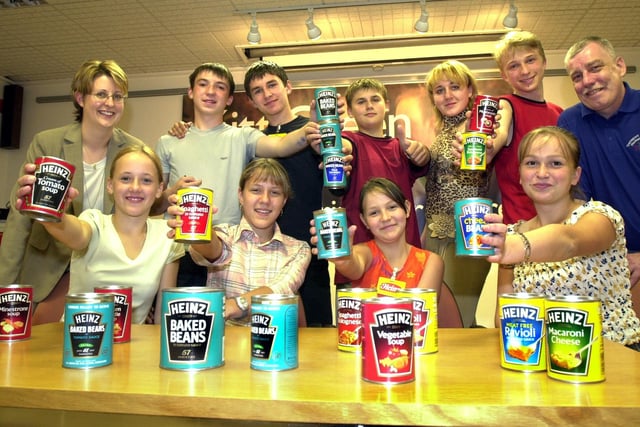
x=192, y=328
x=274, y=332
x=326, y=103
x=88, y=330
x=469, y=218
x=334, y=174
x=331, y=137
x=332, y=232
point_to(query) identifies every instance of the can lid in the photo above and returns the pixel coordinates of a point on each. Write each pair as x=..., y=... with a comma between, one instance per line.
x=572, y=298
x=274, y=299
x=89, y=297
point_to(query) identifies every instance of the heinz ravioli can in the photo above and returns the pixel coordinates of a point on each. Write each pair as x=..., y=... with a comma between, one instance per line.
x=274, y=332
x=522, y=332
x=332, y=232
x=387, y=346
x=192, y=328
x=16, y=306
x=196, y=220
x=122, y=310
x=47, y=199
x=425, y=318
x=469, y=219
x=88, y=330
x=349, y=316
x=574, y=337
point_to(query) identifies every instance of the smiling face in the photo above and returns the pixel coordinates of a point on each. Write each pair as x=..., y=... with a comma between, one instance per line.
x=101, y=113
x=134, y=184
x=385, y=217
x=210, y=94
x=523, y=68
x=270, y=95
x=262, y=202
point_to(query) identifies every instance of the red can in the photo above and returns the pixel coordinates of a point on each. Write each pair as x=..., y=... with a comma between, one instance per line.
x=122, y=310
x=387, y=346
x=47, y=199
x=349, y=316
x=16, y=303
x=483, y=114
x=198, y=212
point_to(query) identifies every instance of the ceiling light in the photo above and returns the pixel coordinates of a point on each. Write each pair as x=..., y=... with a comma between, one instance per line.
x=422, y=24
x=313, y=32
x=511, y=20
x=254, y=34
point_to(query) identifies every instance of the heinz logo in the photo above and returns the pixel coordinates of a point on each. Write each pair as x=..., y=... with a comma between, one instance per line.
x=475, y=209
x=519, y=312
x=330, y=223
x=474, y=140
x=394, y=318
x=188, y=307
x=489, y=103
x=195, y=198
x=349, y=303
x=54, y=169
x=567, y=316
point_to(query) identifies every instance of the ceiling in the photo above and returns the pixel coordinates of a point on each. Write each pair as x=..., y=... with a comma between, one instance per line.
x=50, y=41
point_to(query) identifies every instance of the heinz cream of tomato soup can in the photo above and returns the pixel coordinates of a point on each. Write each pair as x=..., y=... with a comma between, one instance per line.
x=522, y=332
x=47, y=199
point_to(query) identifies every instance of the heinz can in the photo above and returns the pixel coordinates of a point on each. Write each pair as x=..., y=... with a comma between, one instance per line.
x=483, y=114
x=574, y=337
x=349, y=316
x=122, y=310
x=469, y=219
x=474, y=151
x=16, y=306
x=47, y=199
x=387, y=346
x=88, y=330
x=334, y=175
x=332, y=232
x=196, y=220
x=326, y=103
x=192, y=328
x=331, y=137
x=522, y=332
x=274, y=332
x=425, y=318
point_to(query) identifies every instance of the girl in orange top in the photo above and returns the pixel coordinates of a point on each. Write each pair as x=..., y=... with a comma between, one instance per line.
x=384, y=211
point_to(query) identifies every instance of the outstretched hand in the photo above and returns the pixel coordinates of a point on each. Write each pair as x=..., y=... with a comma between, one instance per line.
x=314, y=237
x=25, y=186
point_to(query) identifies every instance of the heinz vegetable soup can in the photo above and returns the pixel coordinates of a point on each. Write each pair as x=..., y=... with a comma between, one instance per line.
x=47, y=199
x=192, y=328
x=469, y=219
x=122, y=310
x=16, y=306
x=274, y=332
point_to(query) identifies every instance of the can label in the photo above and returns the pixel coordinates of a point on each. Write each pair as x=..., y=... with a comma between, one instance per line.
x=469, y=219
x=122, y=310
x=192, y=328
x=47, y=199
x=88, y=330
x=425, y=318
x=16, y=302
x=334, y=174
x=274, y=332
x=331, y=137
x=574, y=336
x=387, y=346
x=474, y=151
x=331, y=229
x=483, y=114
x=196, y=220
x=349, y=317
x=522, y=332
x=326, y=103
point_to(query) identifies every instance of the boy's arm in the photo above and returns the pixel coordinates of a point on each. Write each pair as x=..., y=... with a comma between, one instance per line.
x=504, y=132
x=282, y=146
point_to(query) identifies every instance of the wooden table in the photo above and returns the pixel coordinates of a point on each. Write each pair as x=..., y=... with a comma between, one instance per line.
x=462, y=384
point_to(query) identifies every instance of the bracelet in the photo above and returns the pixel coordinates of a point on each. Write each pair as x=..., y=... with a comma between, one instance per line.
x=527, y=247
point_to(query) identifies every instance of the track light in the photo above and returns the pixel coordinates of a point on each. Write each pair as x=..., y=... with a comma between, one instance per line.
x=313, y=32
x=511, y=20
x=422, y=24
x=254, y=34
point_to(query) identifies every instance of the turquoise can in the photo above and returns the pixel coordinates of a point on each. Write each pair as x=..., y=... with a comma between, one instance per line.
x=335, y=176
x=192, y=328
x=332, y=232
x=88, y=330
x=469, y=219
x=326, y=103
x=274, y=332
x=331, y=135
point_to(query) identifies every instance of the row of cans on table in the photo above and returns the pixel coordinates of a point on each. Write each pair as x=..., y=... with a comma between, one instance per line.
x=560, y=335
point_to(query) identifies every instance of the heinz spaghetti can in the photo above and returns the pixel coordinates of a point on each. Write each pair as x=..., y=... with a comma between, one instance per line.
x=349, y=316
x=332, y=232
x=574, y=337
x=47, y=199
x=483, y=114
x=198, y=211
x=469, y=219
x=387, y=346
x=331, y=137
x=88, y=330
x=522, y=332
x=192, y=328
x=274, y=332
x=122, y=310
x=425, y=318
x=474, y=151
x=16, y=306
x=326, y=103
x=334, y=174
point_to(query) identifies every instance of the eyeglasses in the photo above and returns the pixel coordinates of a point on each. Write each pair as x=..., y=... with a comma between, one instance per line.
x=118, y=98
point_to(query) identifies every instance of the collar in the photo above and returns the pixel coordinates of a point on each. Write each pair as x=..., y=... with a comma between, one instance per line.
x=454, y=121
x=630, y=103
x=244, y=231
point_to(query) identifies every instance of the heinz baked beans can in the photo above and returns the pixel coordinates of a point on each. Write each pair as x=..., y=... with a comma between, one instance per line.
x=47, y=199
x=198, y=211
x=349, y=316
x=334, y=173
x=474, y=151
x=326, y=104
x=88, y=330
x=122, y=310
x=331, y=137
x=192, y=328
x=574, y=337
x=522, y=332
x=274, y=332
x=332, y=232
x=469, y=219
x=425, y=318
x=16, y=307
x=387, y=345
x=483, y=114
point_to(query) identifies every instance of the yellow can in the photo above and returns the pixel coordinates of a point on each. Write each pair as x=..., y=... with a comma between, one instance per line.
x=474, y=151
x=425, y=318
x=574, y=336
x=198, y=213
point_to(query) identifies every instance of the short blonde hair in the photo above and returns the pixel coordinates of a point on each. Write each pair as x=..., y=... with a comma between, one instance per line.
x=516, y=40
x=456, y=72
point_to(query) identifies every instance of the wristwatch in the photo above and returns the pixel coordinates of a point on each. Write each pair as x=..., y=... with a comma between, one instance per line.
x=242, y=303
